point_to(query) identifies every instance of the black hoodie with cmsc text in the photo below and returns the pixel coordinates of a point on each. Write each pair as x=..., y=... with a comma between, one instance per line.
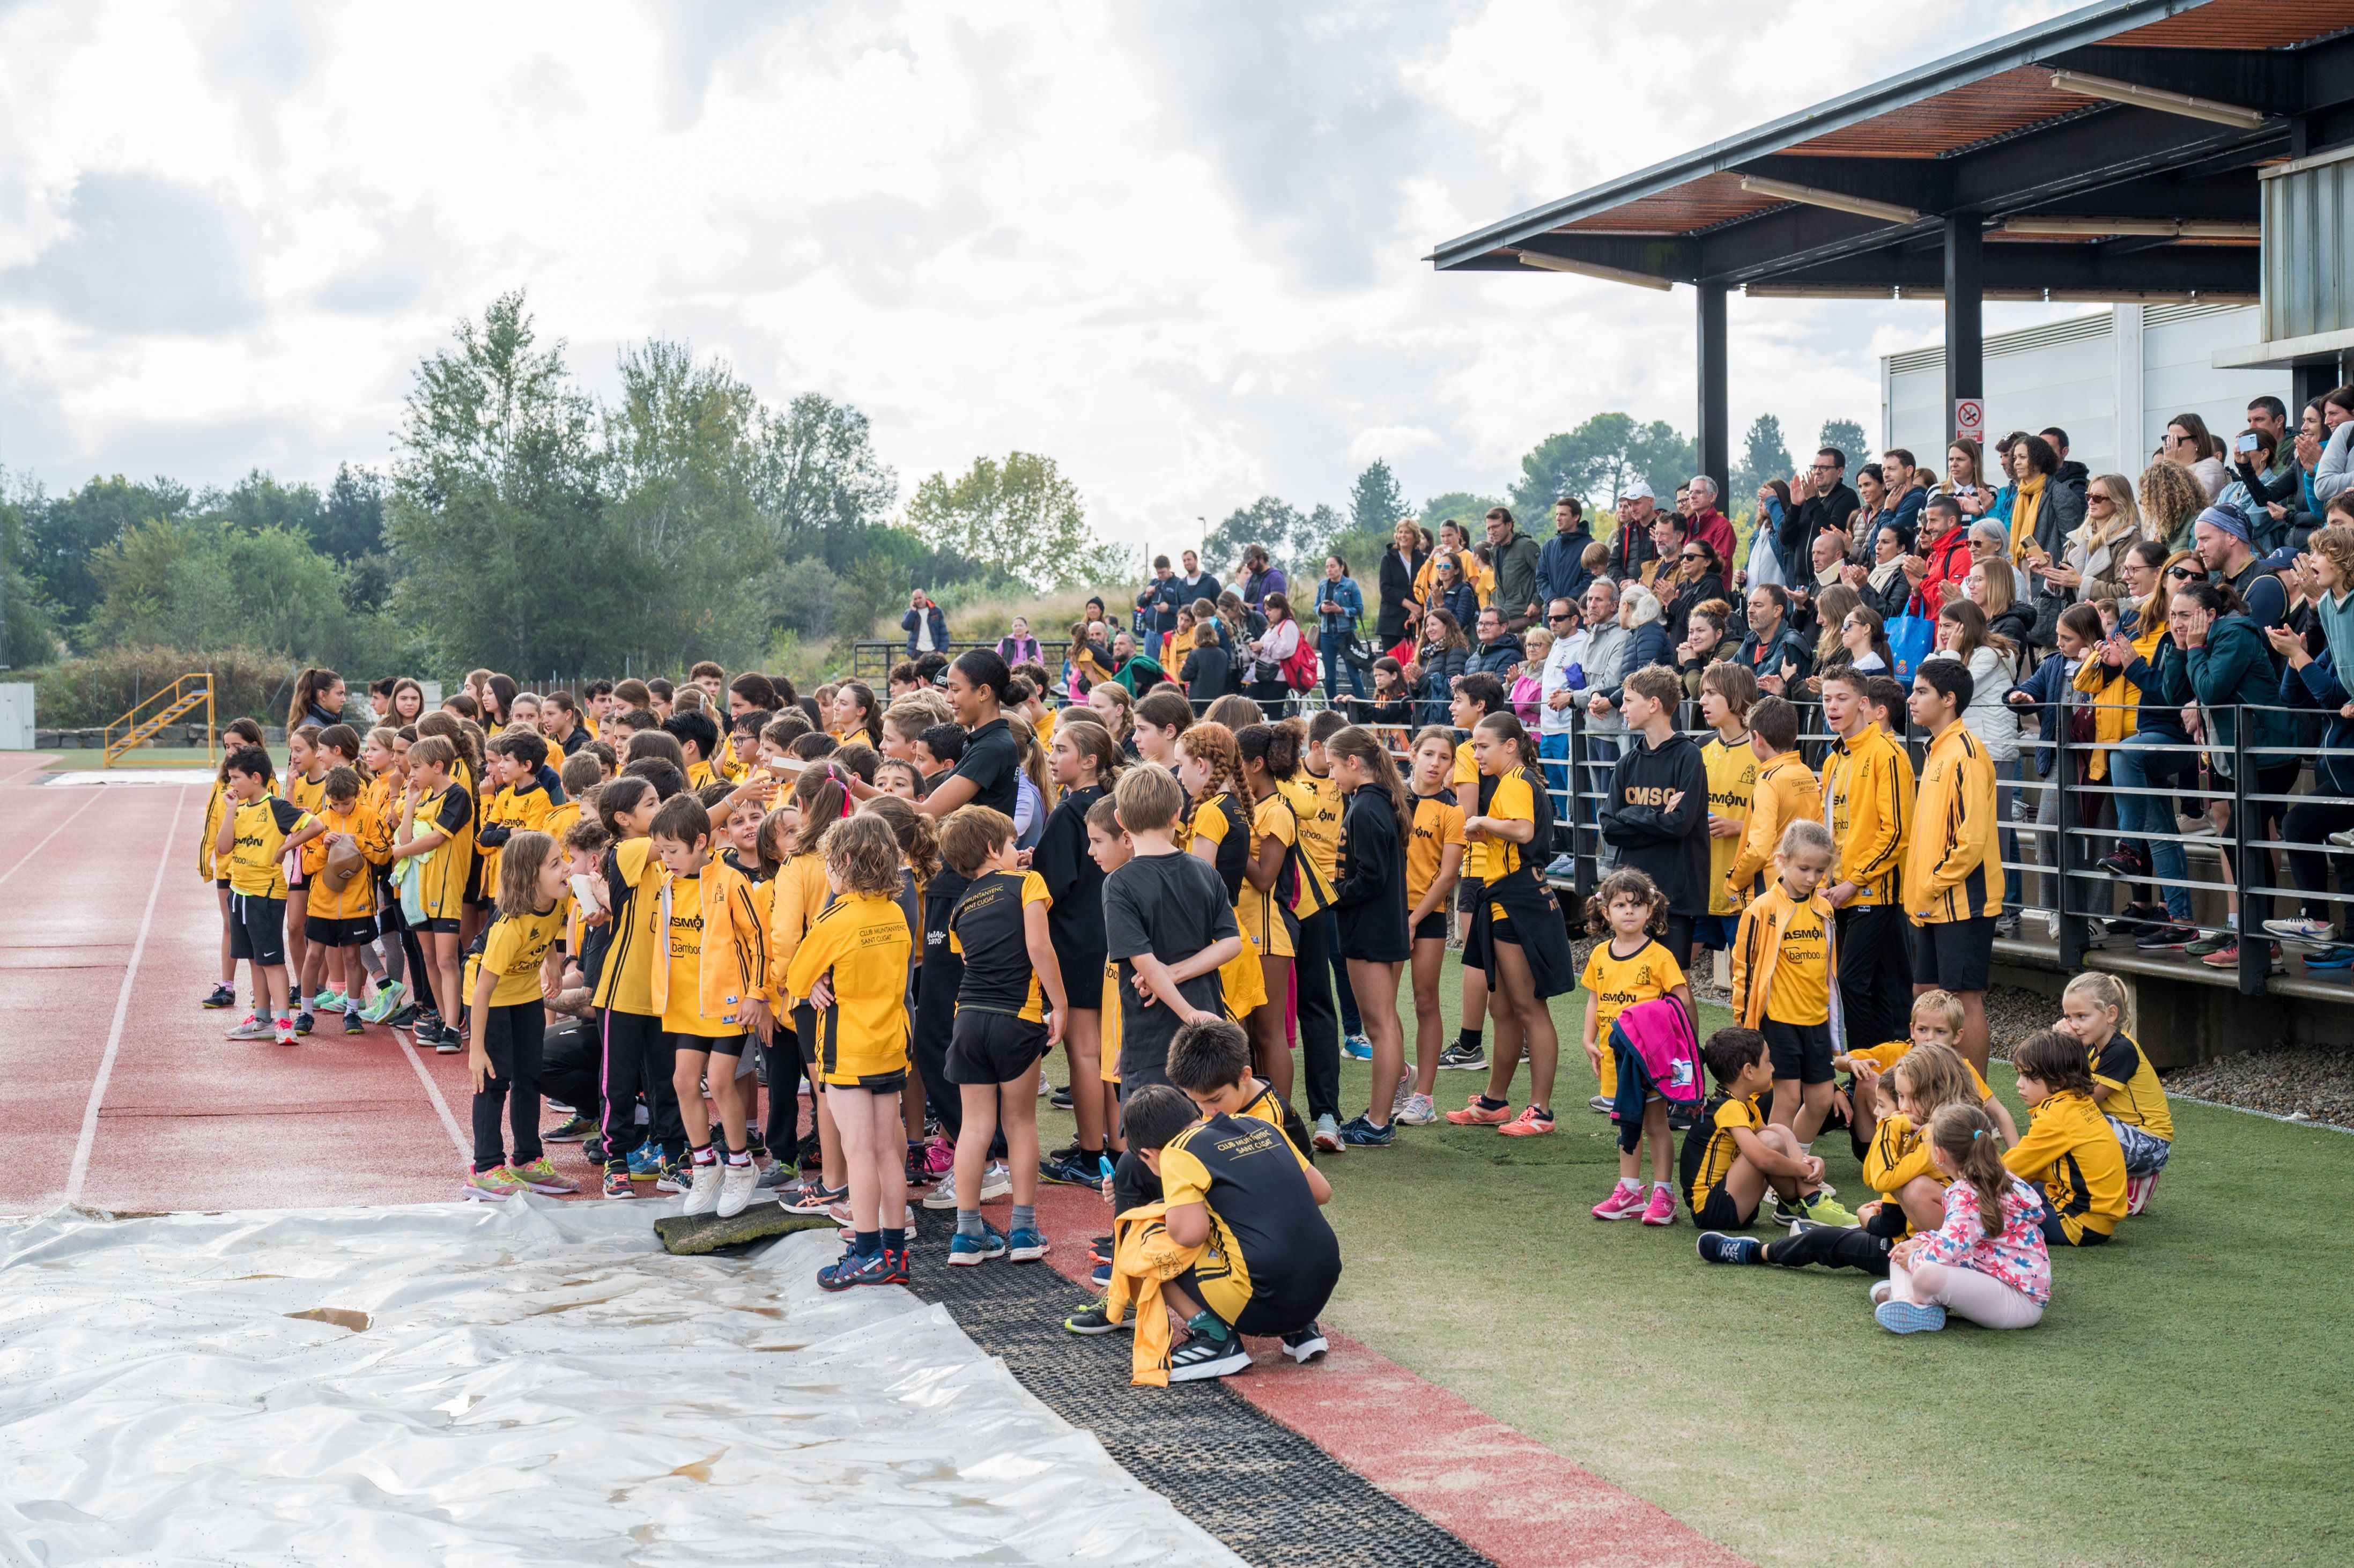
x=1667, y=843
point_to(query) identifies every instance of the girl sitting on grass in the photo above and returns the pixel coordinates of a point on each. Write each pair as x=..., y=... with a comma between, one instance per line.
x=1988, y=1260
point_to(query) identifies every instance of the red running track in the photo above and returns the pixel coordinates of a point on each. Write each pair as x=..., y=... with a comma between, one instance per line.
x=131, y=1099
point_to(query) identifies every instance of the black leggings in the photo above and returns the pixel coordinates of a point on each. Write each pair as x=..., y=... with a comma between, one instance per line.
x=511, y=1038
x=639, y=1060
x=1840, y=1248
x=1320, y=1024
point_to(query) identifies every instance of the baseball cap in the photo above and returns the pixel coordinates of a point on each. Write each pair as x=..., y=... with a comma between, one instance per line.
x=1639, y=491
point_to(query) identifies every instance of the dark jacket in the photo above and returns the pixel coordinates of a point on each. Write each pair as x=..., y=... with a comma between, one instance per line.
x=1629, y=548
x=1496, y=658
x=1462, y=602
x=1787, y=644
x=1888, y=603
x=1206, y=672
x=939, y=623
x=2013, y=623
x=1561, y=572
x=1369, y=887
x=1440, y=668
x=1669, y=845
x=1397, y=588
x=2157, y=714
x=2235, y=669
x=1906, y=518
x=1800, y=523
x=2317, y=687
x=1689, y=598
x=1161, y=600
x=2050, y=687
x=1020, y=650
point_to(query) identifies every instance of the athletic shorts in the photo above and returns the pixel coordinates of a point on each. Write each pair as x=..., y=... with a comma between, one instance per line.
x=873, y=1083
x=992, y=1048
x=714, y=1045
x=2056, y=1234
x=1501, y=927
x=2146, y=1152
x=1082, y=979
x=1246, y=1311
x=356, y=933
x=221, y=882
x=1433, y=927
x=1468, y=893
x=444, y=927
x=1723, y=1211
x=257, y=930
x=1800, y=1051
x=1715, y=931
x=1957, y=954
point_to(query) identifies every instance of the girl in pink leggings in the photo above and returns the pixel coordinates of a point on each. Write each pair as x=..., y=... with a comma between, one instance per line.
x=1988, y=1261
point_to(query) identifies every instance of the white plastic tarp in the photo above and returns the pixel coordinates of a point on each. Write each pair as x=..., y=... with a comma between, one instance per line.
x=533, y=1383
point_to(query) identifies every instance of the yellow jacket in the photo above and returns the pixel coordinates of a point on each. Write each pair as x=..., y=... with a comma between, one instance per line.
x=2116, y=702
x=1950, y=869
x=1757, y=947
x=796, y=894
x=1142, y=1258
x=1868, y=790
x=1787, y=791
x=735, y=960
x=2071, y=1149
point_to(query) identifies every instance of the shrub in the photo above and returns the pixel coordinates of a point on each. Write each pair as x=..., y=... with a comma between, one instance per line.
x=87, y=692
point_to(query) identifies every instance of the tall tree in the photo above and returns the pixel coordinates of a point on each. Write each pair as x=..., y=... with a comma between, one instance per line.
x=1020, y=517
x=1664, y=457
x=66, y=532
x=1466, y=508
x=494, y=513
x=1763, y=455
x=1270, y=521
x=1848, y=437
x=817, y=480
x=350, y=523
x=1376, y=503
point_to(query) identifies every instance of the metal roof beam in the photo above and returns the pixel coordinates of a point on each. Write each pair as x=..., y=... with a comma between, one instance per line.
x=2092, y=153
x=2068, y=268
x=1674, y=260
x=2269, y=80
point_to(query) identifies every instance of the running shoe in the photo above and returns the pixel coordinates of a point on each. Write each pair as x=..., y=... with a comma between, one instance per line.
x=2336, y=957
x=2215, y=941
x=2307, y=932
x=571, y=1130
x=1881, y=1290
x=939, y=1155
x=1305, y=1345
x=965, y=1252
x=1715, y=1246
x=1661, y=1208
x=895, y=1266
x=1563, y=868
x=1475, y=1114
x=1061, y=1097
x=385, y=1002
x=1068, y=1172
x=2344, y=839
x=1359, y=1132
x=1532, y=1122
x=702, y=1188
x=2138, y=1190
x=851, y=1268
x=449, y=1044
x=1357, y=1048
x=617, y=1185
x=645, y=1161
x=284, y=1033
x=252, y=1026
x=996, y=1182
x=1100, y=1277
x=1601, y=1104
x=492, y=1186
x=1205, y=1357
x=221, y=996
x=1403, y=1092
x=1025, y=1245
x=814, y=1198
x=305, y=1022
x=1418, y=1111
x=1680, y=1118
x=2228, y=957
x=1099, y=1249
x=674, y=1176
x=737, y=1183
x=352, y=1024
x=1909, y=1317
x=1328, y=1137
x=2123, y=863
x=541, y=1176
x=917, y=1175
x=2166, y=937
x=778, y=1175
x=403, y=1018
x=944, y=1195
x=327, y=1000
x=1459, y=1054
x=1625, y=1203
x=1093, y=1319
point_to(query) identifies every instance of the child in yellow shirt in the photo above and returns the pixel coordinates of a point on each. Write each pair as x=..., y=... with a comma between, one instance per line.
x=1782, y=980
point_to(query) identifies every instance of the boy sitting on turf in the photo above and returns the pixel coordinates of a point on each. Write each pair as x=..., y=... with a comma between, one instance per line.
x=1236, y=1189
x=1731, y=1156
x=2070, y=1148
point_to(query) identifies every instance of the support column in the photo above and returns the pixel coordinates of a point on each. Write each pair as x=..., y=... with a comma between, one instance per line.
x=1715, y=439
x=1965, y=313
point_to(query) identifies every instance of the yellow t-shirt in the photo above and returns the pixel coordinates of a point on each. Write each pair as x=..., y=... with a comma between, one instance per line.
x=699, y=775
x=1438, y=822
x=263, y=826
x=1801, y=991
x=1885, y=1056
x=684, y=1013
x=1317, y=803
x=1645, y=975
x=1732, y=786
x=1492, y=858
x=626, y=984
x=1264, y=922
x=513, y=949
x=2135, y=1096
x=860, y=942
x=1717, y=1157
x=2072, y=1150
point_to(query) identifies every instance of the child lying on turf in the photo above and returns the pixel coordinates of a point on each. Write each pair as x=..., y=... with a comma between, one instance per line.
x=1936, y=1017
x=1987, y=1259
x=2070, y=1147
x=2124, y=1085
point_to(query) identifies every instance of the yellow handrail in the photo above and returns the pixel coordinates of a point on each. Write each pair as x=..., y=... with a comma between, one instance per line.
x=154, y=711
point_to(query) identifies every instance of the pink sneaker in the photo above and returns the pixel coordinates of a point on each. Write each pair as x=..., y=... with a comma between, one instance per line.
x=2138, y=1191
x=1474, y=1114
x=1661, y=1210
x=1530, y=1123
x=939, y=1155
x=1625, y=1203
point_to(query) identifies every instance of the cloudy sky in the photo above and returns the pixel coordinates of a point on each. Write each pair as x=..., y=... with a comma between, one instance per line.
x=1176, y=246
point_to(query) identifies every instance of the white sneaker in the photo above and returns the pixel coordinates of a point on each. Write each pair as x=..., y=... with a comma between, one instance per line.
x=2307, y=930
x=737, y=1185
x=1327, y=1135
x=252, y=1026
x=703, y=1194
x=1882, y=1289
x=1418, y=1111
x=2343, y=839
x=996, y=1182
x=1405, y=1092
x=943, y=1196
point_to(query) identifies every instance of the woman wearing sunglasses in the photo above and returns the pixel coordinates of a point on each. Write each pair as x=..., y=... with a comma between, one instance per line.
x=1700, y=577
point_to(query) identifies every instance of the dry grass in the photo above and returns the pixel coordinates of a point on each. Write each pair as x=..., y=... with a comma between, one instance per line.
x=984, y=619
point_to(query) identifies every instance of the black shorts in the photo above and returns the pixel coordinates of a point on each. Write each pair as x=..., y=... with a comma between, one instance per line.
x=257, y=930
x=1082, y=979
x=390, y=921
x=804, y=1033
x=1433, y=927
x=221, y=882
x=712, y=1045
x=1800, y=1051
x=1954, y=954
x=1468, y=893
x=443, y=927
x=879, y=1083
x=356, y=933
x=992, y=1048
x=1723, y=1211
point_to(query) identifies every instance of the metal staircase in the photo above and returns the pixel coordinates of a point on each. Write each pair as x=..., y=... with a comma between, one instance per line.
x=147, y=717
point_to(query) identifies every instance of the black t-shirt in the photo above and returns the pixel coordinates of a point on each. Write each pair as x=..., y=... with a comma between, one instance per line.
x=1171, y=906
x=1074, y=881
x=456, y=810
x=988, y=930
x=992, y=760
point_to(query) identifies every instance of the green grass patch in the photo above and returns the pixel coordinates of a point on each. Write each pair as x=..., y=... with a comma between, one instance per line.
x=2178, y=1403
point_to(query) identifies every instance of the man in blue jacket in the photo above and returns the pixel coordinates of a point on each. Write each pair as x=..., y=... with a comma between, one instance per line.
x=1561, y=569
x=1498, y=652
x=926, y=626
x=1163, y=598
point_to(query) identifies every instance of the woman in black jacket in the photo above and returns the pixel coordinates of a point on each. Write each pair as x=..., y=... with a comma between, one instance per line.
x=1369, y=895
x=1400, y=563
x=1700, y=577
x=1442, y=658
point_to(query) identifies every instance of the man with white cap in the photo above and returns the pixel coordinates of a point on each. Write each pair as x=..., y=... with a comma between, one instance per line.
x=1631, y=546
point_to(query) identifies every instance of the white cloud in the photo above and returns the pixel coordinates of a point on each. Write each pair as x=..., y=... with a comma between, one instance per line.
x=1176, y=247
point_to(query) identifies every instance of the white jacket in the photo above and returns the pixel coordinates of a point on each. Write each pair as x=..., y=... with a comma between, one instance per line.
x=1989, y=717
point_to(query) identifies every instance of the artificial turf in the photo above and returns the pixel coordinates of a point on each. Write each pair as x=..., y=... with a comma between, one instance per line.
x=2179, y=1402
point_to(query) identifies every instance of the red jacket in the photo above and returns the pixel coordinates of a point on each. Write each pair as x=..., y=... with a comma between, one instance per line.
x=1948, y=555
x=1712, y=527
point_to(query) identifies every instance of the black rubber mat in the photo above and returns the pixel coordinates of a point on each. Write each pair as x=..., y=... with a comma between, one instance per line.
x=1274, y=1497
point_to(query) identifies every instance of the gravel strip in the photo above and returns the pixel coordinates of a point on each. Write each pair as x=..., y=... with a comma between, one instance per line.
x=2303, y=1083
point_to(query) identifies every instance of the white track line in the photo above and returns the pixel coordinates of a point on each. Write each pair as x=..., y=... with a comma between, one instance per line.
x=89, y=1138
x=433, y=1090
x=95, y=797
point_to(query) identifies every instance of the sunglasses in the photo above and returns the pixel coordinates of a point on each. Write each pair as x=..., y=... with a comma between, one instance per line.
x=1691, y=556
x=2188, y=574
x=1561, y=617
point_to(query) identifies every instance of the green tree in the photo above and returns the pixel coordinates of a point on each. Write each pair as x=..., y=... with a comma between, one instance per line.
x=1376, y=503
x=65, y=532
x=817, y=480
x=1763, y=455
x=350, y=523
x=1663, y=457
x=1464, y=508
x=494, y=514
x=27, y=628
x=1848, y=437
x=1592, y=460
x=1019, y=517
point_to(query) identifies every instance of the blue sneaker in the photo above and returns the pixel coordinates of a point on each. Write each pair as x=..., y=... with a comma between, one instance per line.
x=849, y=1269
x=1715, y=1246
x=2334, y=958
x=1068, y=1172
x=1025, y=1245
x=1360, y=1133
x=1357, y=1048
x=645, y=1161
x=1100, y=1277
x=966, y=1251
x=1906, y=1318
